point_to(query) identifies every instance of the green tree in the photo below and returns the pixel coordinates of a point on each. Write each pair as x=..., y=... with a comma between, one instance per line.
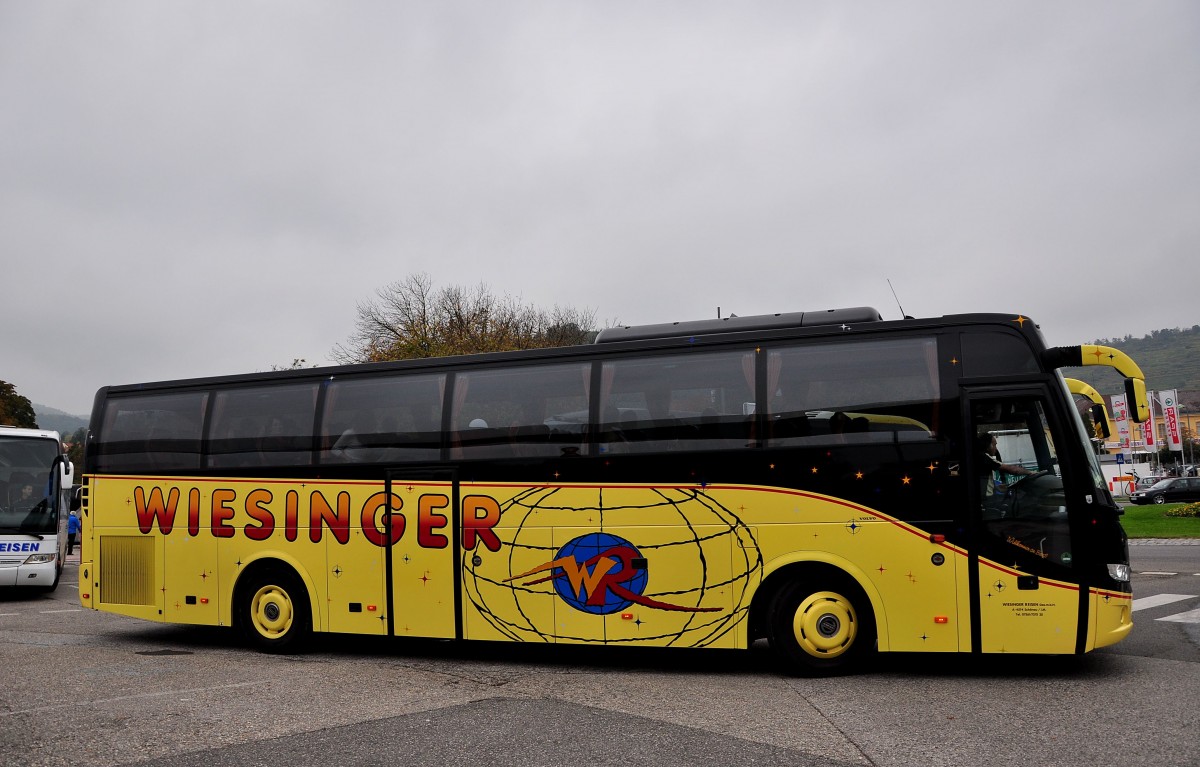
x=15, y=410
x=410, y=319
x=1168, y=457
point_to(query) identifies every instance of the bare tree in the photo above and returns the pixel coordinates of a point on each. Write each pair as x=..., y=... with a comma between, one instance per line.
x=410, y=318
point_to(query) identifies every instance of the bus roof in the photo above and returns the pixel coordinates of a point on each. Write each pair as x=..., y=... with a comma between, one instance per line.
x=771, y=327
x=13, y=431
x=734, y=324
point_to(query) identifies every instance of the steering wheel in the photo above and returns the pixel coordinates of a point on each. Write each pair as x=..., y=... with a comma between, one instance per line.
x=1029, y=477
x=1019, y=485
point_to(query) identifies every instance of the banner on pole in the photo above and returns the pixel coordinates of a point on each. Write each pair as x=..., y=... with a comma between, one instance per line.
x=1121, y=415
x=1148, y=435
x=1171, y=419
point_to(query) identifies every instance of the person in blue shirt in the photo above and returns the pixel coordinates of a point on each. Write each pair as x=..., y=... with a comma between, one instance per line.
x=74, y=525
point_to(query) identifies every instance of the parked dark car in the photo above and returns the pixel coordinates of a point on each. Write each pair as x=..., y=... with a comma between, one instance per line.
x=1145, y=483
x=1171, y=490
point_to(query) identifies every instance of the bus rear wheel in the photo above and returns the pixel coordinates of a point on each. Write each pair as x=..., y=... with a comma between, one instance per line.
x=820, y=631
x=274, y=611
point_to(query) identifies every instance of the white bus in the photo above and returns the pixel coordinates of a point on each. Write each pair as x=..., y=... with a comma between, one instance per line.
x=35, y=500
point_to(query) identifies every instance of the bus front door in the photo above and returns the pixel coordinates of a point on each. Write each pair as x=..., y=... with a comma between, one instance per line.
x=422, y=563
x=1025, y=594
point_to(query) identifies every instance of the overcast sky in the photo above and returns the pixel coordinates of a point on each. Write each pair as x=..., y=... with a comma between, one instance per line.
x=205, y=188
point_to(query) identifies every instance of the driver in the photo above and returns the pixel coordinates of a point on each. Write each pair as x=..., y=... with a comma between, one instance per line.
x=991, y=466
x=28, y=501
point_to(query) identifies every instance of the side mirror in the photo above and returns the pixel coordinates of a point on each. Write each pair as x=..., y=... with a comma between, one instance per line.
x=76, y=497
x=1136, y=400
x=1100, y=422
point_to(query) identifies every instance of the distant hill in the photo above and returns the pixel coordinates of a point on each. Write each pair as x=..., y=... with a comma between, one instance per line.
x=57, y=420
x=1170, y=359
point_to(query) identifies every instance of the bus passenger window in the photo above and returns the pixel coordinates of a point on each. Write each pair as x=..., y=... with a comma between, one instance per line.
x=262, y=426
x=853, y=393
x=389, y=419
x=520, y=412
x=694, y=401
x=160, y=431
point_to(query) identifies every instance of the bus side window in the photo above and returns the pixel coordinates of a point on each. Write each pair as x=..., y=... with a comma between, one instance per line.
x=520, y=412
x=691, y=401
x=853, y=393
x=263, y=426
x=390, y=419
x=159, y=431
x=993, y=353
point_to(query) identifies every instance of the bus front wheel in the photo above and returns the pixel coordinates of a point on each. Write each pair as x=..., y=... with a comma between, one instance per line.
x=818, y=631
x=58, y=571
x=274, y=612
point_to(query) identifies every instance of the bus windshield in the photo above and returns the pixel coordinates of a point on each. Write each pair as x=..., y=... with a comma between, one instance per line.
x=1085, y=439
x=27, y=496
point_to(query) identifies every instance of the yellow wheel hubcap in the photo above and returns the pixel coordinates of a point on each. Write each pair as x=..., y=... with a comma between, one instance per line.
x=271, y=611
x=825, y=624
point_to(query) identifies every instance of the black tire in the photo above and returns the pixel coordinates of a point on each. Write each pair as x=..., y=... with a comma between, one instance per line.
x=821, y=630
x=58, y=571
x=273, y=611
x=1159, y=499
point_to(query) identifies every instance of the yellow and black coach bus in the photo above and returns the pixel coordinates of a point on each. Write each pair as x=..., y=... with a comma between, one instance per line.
x=826, y=480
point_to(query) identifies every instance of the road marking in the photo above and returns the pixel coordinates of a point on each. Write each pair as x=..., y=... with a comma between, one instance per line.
x=1151, y=572
x=48, y=612
x=1191, y=616
x=1158, y=600
x=102, y=703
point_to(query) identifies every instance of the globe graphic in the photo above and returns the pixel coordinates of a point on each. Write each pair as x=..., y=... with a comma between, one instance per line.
x=696, y=560
x=585, y=548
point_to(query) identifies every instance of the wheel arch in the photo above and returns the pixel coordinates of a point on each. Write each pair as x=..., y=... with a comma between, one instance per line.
x=274, y=561
x=814, y=567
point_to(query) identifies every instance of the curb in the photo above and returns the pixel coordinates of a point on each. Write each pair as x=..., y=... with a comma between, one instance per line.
x=1164, y=541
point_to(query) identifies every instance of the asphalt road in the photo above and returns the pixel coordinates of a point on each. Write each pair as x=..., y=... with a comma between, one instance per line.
x=85, y=688
x=1166, y=590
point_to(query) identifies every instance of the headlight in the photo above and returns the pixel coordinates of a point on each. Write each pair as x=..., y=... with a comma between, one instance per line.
x=1119, y=573
x=38, y=559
